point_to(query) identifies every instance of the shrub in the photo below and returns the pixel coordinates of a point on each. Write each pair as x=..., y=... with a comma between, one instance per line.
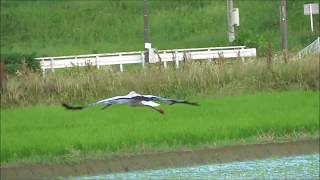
x=14, y=62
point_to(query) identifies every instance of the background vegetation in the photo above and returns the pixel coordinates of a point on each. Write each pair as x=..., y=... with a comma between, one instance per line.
x=54, y=27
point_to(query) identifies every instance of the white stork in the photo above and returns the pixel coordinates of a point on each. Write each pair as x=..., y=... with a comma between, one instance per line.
x=132, y=99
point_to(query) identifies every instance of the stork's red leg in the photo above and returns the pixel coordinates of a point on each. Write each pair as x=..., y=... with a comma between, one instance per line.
x=159, y=110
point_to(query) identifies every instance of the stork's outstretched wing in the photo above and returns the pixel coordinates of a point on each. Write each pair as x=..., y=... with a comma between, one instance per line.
x=128, y=99
x=166, y=100
x=105, y=102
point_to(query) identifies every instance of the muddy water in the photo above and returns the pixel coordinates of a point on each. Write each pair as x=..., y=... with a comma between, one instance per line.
x=295, y=167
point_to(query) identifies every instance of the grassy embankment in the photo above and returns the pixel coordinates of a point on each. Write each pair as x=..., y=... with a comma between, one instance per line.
x=52, y=28
x=52, y=134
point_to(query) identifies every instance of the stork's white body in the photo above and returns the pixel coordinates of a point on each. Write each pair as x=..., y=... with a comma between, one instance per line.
x=128, y=99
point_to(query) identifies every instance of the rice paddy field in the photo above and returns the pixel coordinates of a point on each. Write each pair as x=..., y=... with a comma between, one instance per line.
x=46, y=134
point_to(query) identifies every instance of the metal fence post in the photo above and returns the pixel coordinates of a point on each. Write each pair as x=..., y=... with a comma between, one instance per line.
x=121, y=65
x=43, y=70
x=142, y=59
x=209, y=50
x=242, y=58
x=51, y=64
x=176, y=58
x=97, y=62
x=165, y=62
x=76, y=60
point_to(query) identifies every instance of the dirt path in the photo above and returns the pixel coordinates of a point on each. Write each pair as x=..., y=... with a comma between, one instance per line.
x=164, y=160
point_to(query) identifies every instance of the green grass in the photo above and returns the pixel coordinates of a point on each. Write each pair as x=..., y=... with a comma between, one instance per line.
x=47, y=133
x=51, y=28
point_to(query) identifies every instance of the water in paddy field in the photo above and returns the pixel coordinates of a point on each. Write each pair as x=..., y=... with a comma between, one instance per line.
x=297, y=167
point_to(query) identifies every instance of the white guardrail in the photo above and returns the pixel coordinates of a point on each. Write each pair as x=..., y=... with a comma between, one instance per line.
x=121, y=58
x=313, y=48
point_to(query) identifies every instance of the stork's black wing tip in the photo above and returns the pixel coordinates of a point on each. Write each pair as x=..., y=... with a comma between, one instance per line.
x=192, y=103
x=69, y=107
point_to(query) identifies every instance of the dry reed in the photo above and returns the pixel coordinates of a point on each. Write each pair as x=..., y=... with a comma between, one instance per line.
x=198, y=78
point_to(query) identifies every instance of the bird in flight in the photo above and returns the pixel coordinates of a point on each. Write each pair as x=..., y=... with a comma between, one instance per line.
x=133, y=99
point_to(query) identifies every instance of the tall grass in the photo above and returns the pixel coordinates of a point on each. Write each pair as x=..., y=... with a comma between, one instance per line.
x=52, y=134
x=198, y=78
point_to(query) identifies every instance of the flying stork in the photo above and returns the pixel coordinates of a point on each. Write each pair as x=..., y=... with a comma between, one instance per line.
x=132, y=99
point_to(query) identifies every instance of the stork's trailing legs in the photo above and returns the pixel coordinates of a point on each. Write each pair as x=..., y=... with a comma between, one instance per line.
x=159, y=110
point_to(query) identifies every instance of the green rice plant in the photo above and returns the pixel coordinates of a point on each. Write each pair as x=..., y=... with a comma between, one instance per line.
x=50, y=134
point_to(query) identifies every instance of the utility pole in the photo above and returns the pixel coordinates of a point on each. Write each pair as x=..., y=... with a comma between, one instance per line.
x=283, y=29
x=231, y=32
x=147, y=44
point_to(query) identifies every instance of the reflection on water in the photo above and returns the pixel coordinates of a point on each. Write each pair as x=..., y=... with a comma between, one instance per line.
x=298, y=167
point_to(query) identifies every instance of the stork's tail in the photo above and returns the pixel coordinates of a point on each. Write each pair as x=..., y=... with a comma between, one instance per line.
x=69, y=107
